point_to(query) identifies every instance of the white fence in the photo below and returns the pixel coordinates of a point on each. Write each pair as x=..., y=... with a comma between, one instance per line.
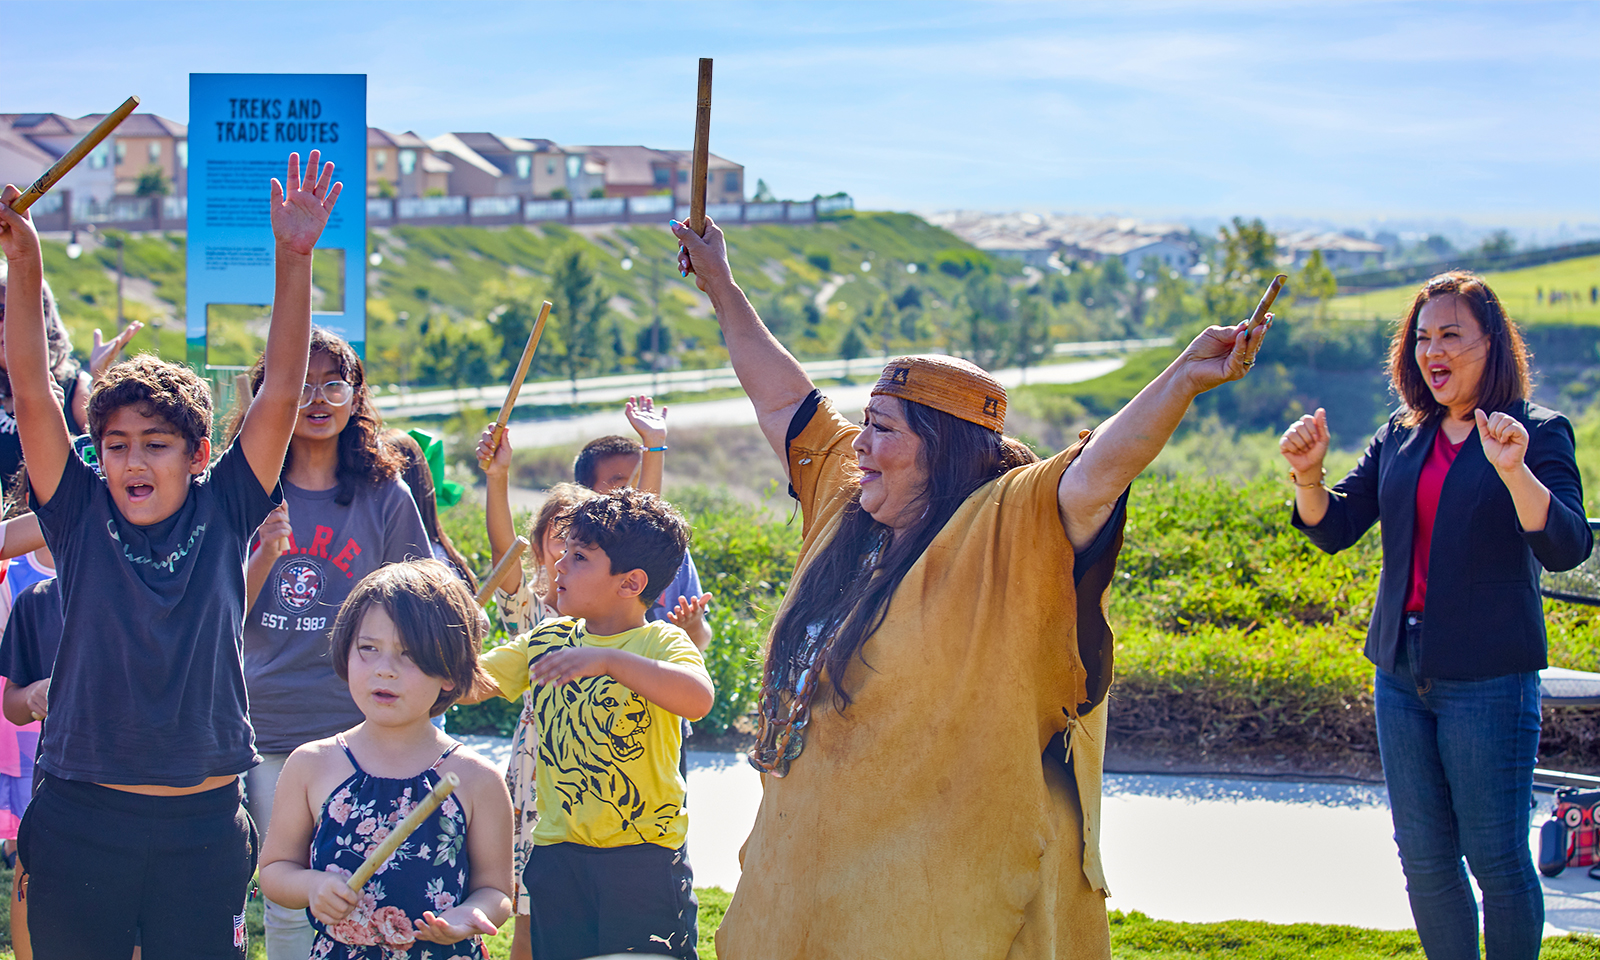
x=170, y=213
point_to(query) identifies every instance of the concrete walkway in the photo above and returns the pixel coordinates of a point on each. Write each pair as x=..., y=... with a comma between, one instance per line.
x=1185, y=848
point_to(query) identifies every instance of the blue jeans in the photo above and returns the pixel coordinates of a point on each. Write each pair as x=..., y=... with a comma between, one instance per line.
x=1458, y=758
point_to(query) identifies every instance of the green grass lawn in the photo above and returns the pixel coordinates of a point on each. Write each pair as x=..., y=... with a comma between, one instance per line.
x=1517, y=289
x=1134, y=936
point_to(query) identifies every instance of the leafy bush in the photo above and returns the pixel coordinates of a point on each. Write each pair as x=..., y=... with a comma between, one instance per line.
x=745, y=560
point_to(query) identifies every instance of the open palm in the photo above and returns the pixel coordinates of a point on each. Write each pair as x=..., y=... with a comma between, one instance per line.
x=301, y=211
x=648, y=420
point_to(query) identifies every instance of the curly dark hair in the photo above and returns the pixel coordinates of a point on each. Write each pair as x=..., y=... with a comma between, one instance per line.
x=166, y=391
x=439, y=621
x=637, y=531
x=1505, y=369
x=363, y=457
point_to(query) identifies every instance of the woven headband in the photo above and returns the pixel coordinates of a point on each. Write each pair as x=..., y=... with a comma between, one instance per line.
x=947, y=384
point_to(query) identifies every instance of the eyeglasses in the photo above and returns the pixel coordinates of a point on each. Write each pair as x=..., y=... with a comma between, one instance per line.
x=336, y=392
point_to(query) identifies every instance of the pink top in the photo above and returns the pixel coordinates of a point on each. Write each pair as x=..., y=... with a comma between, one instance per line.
x=1429, y=485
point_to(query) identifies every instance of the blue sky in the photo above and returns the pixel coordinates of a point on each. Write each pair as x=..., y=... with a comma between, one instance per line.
x=1349, y=111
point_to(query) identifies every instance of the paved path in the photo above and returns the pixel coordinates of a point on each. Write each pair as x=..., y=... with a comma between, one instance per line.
x=737, y=411
x=1185, y=848
x=447, y=402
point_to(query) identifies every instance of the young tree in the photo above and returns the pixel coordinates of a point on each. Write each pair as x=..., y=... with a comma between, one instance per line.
x=1316, y=283
x=1248, y=255
x=851, y=346
x=577, y=313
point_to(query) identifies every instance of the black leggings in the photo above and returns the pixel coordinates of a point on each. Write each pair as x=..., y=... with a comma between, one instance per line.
x=103, y=863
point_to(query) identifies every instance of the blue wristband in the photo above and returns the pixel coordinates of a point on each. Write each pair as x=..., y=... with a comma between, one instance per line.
x=660, y=449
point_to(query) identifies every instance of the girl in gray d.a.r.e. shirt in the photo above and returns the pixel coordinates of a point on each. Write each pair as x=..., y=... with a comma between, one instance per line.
x=345, y=513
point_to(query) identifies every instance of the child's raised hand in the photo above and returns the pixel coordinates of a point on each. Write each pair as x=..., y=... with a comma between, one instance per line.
x=453, y=925
x=689, y=612
x=300, y=212
x=332, y=899
x=104, y=352
x=17, y=237
x=647, y=421
x=274, y=533
x=500, y=466
x=570, y=663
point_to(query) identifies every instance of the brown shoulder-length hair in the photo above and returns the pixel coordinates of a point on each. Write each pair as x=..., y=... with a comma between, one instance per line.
x=1505, y=369
x=438, y=618
x=850, y=584
x=363, y=458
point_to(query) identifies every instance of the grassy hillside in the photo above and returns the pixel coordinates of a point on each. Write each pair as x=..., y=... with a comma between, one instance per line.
x=441, y=300
x=1518, y=290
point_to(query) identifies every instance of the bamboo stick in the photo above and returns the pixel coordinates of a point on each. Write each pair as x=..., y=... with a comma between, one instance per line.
x=505, y=566
x=71, y=158
x=702, y=141
x=446, y=786
x=516, y=385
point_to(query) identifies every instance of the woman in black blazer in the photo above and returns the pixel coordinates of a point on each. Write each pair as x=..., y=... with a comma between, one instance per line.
x=1478, y=490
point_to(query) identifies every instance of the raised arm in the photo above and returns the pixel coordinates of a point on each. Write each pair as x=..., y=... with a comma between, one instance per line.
x=650, y=423
x=497, y=517
x=298, y=215
x=1125, y=444
x=41, y=426
x=770, y=375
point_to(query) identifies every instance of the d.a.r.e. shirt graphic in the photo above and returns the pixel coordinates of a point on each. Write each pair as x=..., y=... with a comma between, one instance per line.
x=295, y=697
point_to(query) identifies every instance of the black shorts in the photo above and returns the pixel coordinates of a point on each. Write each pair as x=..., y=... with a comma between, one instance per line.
x=103, y=863
x=588, y=901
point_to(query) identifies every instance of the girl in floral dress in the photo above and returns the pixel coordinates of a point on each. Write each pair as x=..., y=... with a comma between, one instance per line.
x=406, y=641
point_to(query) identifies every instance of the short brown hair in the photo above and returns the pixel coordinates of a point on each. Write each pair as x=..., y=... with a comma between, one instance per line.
x=1505, y=369
x=162, y=390
x=588, y=459
x=439, y=622
x=637, y=531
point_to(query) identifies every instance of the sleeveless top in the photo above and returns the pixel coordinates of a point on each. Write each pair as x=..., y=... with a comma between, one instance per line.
x=428, y=872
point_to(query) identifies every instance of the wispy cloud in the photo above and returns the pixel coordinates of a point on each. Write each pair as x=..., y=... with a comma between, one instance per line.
x=1351, y=109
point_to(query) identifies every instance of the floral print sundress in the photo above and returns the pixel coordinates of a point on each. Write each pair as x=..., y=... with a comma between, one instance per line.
x=428, y=872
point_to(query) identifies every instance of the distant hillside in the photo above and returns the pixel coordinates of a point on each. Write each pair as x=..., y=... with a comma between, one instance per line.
x=452, y=305
x=1526, y=294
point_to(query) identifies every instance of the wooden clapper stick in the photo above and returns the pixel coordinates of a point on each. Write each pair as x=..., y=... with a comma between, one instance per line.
x=702, y=142
x=446, y=786
x=505, y=566
x=516, y=385
x=1260, y=315
x=70, y=159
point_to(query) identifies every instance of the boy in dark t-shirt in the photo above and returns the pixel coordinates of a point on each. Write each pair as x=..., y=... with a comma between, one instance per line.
x=139, y=814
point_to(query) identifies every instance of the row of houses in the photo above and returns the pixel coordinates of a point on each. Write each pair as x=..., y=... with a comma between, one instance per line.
x=150, y=154
x=1055, y=240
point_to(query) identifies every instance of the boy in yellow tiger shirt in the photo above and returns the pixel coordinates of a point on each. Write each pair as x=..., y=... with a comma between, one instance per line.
x=608, y=872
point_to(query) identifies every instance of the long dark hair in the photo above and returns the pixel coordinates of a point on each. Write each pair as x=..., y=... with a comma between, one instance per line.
x=1505, y=367
x=419, y=479
x=363, y=458
x=837, y=593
